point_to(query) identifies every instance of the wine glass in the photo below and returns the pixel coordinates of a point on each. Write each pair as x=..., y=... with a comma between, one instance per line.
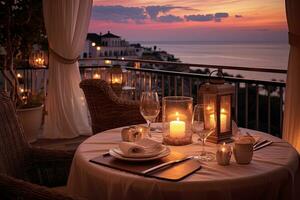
x=203, y=132
x=149, y=107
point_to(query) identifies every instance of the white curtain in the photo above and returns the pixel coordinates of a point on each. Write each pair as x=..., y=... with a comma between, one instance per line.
x=291, y=131
x=66, y=24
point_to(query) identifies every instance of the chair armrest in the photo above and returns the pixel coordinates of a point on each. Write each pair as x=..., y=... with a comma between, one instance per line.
x=47, y=155
x=12, y=188
x=50, y=167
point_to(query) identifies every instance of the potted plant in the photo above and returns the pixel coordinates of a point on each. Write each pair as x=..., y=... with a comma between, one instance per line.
x=21, y=29
x=30, y=113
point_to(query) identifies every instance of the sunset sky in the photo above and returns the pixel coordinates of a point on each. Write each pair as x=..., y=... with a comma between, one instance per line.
x=191, y=20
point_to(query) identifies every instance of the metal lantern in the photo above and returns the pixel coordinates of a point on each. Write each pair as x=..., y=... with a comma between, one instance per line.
x=38, y=59
x=116, y=75
x=115, y=79
x=217, y=99
x=177, y=117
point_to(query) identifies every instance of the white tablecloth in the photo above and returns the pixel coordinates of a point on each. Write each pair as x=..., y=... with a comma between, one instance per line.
x=270, y=175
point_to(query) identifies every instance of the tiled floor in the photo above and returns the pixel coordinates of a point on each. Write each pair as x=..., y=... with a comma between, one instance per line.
x=60, y=144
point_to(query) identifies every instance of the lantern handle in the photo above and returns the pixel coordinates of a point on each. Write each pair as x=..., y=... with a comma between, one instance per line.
x=219, y=74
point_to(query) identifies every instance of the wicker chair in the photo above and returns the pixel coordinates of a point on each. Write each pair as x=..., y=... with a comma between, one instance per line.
x=106, y=109
x=24, y=170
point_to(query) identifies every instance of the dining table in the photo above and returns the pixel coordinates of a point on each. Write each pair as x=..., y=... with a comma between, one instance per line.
x=272, y=173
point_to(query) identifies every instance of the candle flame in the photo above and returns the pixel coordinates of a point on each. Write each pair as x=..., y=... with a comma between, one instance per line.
x=208, y=108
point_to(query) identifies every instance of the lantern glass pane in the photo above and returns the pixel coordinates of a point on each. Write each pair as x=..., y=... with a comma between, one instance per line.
x=177, y=114
x=116, y=78
x=209, y=101
x=225, y=113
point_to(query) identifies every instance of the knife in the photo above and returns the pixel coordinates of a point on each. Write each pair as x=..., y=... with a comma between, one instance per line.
x=257, y=144
x=263, y=145
x=166, y=164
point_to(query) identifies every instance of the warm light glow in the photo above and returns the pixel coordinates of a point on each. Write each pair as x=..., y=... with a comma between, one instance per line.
x=116, y=81
x=137, y=65
x=21, y=90
x=96, y=76
x=177, y=128
x=93, y=44
x=19, y=75
x=212, y=122
x=98, y=48
x=108, y=62
x=122, y=58
x=39, y=61
x=223, y=149
x=223, y=120
x=208, y=107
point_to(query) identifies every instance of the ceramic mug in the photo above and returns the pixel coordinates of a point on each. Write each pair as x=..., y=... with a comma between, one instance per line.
x=243, y=152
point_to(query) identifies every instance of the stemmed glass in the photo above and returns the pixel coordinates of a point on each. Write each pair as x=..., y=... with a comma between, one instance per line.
x=203, y=132
x=149, y=107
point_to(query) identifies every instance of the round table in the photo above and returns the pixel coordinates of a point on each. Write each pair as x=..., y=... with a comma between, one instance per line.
x=270, y=175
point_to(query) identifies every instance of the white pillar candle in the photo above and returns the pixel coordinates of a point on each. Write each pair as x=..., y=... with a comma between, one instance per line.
x=177, y=128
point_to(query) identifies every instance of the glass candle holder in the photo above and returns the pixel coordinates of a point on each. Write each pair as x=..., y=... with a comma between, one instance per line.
x=177, y=114
x=223, y=154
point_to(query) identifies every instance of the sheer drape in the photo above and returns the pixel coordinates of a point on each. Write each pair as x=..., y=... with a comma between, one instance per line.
x=66, y=24
x=291, y=131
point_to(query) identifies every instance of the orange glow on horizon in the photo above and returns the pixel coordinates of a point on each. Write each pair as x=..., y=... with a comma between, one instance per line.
x=254, y=15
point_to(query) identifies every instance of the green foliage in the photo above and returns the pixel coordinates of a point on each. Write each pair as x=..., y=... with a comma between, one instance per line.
x=21, y=26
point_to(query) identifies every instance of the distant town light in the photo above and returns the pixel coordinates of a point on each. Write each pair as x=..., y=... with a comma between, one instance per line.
x=19, y=75
x=122, y=58
x=108, y=62
x=98, y=48
x=21, y=90
x=93, y=44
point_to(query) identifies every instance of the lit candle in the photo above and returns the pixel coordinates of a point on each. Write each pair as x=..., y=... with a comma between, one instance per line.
x=223, y=120
x=116, y=80
x=211, y=115
x=212, y=121
x=177, y=128
x=223, y=154
x=96, y=76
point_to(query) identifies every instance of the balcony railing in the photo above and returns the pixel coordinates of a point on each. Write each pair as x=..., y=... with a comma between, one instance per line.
x=259, y=104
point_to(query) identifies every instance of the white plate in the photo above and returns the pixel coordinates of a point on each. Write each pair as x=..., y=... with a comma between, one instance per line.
x=139, y=155
x=118, y=156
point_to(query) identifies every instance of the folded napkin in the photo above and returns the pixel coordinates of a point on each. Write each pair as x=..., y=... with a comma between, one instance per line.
x=141, y=148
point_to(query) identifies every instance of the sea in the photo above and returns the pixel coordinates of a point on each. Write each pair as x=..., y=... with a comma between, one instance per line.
x=272, y=55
